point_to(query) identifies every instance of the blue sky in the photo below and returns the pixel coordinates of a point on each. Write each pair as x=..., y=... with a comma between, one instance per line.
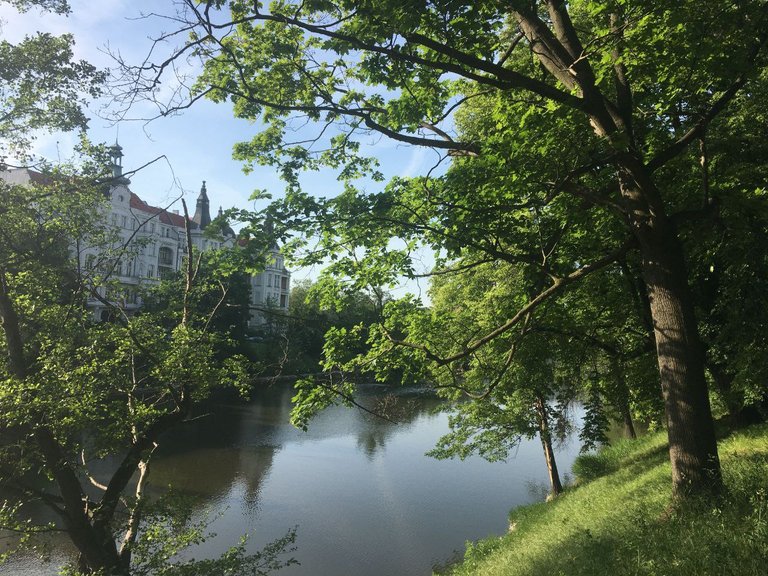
x=196, y=144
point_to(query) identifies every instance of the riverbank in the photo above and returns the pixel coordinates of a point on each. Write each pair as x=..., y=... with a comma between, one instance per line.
x=619, y=519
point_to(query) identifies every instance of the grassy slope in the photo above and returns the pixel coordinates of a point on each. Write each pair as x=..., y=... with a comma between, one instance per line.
x=621, y=520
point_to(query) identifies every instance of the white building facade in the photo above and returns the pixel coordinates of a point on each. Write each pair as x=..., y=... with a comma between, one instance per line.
x=150, y=242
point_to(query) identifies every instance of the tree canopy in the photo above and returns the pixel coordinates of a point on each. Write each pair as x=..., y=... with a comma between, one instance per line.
x=577, y=135
x=42, y=85
x=75, y=391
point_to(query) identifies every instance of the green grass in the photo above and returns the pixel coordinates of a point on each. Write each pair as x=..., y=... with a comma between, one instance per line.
x=620, y=520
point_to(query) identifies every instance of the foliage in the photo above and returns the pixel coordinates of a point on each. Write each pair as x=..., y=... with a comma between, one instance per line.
x=44, y=87
x=57, y=6
x=74, y=392
x=219, y=300
x=319, y=307
x=293, y=343
x=170, y=530
x=569, y=132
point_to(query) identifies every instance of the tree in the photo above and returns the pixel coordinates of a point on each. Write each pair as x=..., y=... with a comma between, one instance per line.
x=75, y=391
x=43, y=86
x=727, y=257
x=584, y=112
x=316, y=308
x=513, y=387
x=221, y=286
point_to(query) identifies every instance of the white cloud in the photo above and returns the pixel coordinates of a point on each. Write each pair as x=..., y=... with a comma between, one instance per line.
x=415, y=163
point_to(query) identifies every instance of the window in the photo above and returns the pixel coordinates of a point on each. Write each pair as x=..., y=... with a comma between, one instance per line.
x=151, y=227
x=114, y=219
x=269, y=279
x=165, y=256
x=283, y=301
x=123, y=222
x=284, y=282
x=150, y=271
x=90, y=261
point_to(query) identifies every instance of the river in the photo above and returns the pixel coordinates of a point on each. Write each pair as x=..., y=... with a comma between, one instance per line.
x=363, y=497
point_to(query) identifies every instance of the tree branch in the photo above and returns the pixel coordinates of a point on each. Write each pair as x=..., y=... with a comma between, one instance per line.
x=557, y=286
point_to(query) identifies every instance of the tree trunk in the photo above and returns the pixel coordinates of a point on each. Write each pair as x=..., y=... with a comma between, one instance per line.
x=546, y=444
x=692, y=444
x=690, y=427
x=96, y=547
x=10, y=323
x=622, y=396
x=629, y=425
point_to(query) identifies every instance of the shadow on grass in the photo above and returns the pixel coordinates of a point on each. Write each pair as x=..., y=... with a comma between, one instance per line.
x=589, y=467
x=623, y=524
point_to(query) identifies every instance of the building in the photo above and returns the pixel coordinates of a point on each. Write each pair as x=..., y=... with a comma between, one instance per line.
x=149, y=243
x=270, y=294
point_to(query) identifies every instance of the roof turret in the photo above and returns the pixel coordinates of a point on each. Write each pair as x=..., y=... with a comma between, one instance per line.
x=116, y=153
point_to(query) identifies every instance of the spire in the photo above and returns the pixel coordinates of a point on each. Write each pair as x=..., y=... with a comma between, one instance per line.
x=202, y=215
x=269, y=230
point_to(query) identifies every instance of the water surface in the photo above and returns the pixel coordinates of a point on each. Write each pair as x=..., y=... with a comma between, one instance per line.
x=362, y=494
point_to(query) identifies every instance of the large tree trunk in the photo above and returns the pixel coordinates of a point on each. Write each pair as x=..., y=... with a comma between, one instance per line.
x=692, y=445
x=546, y=444
x=690, y=427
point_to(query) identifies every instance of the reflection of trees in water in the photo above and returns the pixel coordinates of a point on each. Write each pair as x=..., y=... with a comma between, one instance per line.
x=394, y=413
x=229, y=447
x=233, y=445
x=205, y=459
x=212, y=473
x=51, y=545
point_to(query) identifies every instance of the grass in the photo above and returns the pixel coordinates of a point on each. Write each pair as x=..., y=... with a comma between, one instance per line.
x=619, y=519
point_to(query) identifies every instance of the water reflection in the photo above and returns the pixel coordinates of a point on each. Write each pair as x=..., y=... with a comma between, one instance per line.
x=364, y=496
x=393, y=413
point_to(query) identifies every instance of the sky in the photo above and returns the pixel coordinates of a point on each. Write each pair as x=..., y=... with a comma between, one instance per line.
x=191, y=147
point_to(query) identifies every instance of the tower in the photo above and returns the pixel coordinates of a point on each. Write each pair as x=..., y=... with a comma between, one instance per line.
x=202, y=215
x=116, y=153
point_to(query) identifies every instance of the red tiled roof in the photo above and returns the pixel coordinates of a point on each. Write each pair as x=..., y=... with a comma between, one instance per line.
x=163, y=215
x=26, y=175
